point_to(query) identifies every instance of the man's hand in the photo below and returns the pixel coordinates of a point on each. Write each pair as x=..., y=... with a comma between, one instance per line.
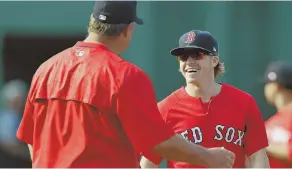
x=217, y=158
x=177, y=148
x=145, y=163
x=220, y=158
x=258, y=159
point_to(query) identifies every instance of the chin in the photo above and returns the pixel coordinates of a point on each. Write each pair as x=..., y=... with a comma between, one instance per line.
x=192, y=81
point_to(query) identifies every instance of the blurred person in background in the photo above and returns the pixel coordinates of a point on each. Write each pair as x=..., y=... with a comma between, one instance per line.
x=13, y=152
x=212, y=114
x=278, y=93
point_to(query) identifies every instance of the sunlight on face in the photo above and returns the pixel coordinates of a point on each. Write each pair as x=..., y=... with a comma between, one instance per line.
x=270, y=90
x=196, y=69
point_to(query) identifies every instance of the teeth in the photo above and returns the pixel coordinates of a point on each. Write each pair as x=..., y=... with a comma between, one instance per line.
x=192, y=70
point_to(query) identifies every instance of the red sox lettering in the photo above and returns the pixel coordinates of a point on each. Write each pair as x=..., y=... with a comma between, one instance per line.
x=194, y=135
x=227, y=134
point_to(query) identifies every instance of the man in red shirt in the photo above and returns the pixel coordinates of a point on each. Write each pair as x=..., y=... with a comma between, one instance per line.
x=278, y=92
x=208, y=113
x=89, y=108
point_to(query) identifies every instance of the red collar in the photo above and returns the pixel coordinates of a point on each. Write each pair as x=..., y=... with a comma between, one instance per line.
x=91, y=45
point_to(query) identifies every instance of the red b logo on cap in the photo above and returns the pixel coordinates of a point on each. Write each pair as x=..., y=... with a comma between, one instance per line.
x=190, y=37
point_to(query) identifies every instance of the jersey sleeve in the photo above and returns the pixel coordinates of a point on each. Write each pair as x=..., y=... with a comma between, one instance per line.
x=26, y=126
x=255, y=137
x=163, y=107
x=150, y=155
x=139, y=115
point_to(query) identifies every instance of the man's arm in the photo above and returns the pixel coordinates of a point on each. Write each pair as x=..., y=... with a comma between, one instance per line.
x=30, y=151
x=137, y=110
x=258, y=159
x=163, y=107
x=255, y=139
x=145, y=163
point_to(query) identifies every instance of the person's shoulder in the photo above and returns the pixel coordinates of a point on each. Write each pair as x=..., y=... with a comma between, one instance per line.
x=171, y=99
x=117, y=63
x=234, y=92
x=240, y=99
x=49, y=63
x=129, y=72
x=105, y=57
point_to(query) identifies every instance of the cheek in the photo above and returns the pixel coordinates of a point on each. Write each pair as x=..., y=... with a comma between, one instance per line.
x=181, y=66
x=204, y=64
x=181, y=69
x=269, y=91
x=266, y=92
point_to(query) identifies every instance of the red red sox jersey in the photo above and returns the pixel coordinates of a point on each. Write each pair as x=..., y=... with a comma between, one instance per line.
x=279, y=131
x=231, y=119
x=82, y=111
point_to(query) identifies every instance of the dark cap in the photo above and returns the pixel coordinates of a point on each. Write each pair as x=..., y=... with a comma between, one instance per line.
x=196, y=40
x=116, y=12
x=279, y=72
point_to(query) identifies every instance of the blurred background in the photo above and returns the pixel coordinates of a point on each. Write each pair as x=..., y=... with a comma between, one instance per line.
x=250, y=35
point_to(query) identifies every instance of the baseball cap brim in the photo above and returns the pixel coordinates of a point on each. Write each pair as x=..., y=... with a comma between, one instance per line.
x=183, y=50
x=139, y=21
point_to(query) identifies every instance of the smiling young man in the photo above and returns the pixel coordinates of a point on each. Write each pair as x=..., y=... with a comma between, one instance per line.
x=208, y=113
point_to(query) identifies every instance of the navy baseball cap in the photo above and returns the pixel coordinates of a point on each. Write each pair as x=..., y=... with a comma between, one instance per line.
x=196, y=40
x=279, y=72
x=116, y=12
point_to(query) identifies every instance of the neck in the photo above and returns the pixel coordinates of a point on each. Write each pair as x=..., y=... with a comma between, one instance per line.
x=283, y=101
x=205, y=92
x=109, y=42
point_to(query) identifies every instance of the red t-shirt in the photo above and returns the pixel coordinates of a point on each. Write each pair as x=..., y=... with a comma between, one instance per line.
x=88, y=107
x=279, y=131
x=231, y=119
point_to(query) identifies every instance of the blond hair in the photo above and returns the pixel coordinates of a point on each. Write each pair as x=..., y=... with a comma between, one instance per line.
x=219, y=69
x=100, y=28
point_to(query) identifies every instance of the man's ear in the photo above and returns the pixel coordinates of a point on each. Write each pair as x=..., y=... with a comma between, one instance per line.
x=128, y=30
x=215, y=61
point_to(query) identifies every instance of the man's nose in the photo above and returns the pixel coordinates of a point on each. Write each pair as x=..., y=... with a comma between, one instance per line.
x=191, y=60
